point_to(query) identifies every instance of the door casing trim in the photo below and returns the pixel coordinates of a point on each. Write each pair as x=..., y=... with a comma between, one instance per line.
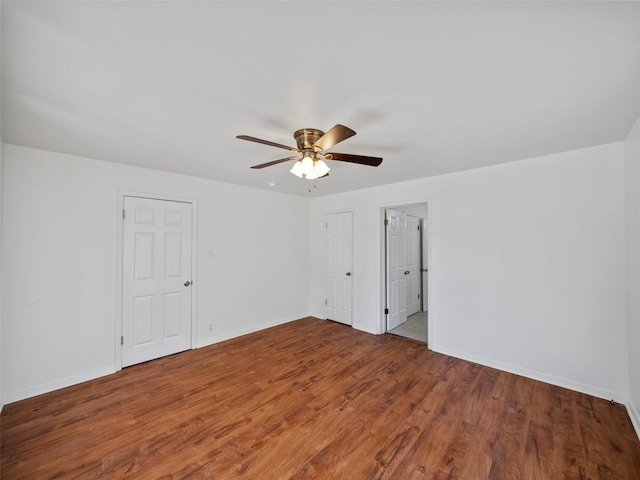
x=119, y=267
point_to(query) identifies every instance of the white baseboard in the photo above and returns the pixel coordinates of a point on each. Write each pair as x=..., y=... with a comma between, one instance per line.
x=364, y=329
x=245, y=331
x=56, y=385
x=635, y=417
x=101, y=372
x=535, y=375
x=317, y=314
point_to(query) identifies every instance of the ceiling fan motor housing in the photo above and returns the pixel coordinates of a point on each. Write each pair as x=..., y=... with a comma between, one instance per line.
x=307, y=137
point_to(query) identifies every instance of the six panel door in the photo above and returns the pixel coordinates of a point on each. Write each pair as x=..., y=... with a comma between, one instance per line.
x=156, y=317
x=339, y=275
x=413, y=265
x=397, y=248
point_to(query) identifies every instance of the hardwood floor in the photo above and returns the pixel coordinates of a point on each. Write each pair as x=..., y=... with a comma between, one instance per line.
x=314, y=399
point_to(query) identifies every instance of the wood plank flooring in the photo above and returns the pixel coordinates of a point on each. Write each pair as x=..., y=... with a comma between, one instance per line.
x=314, y=399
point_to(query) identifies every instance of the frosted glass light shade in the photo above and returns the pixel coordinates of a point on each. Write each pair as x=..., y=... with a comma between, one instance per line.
x=307, y=165
x=309, y=168
x=297, y=169
x=321, y=168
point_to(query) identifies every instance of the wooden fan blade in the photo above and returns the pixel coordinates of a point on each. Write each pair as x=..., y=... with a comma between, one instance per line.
x=266, y=142
x=275, y=162
x=361, y=159
x=334, y=136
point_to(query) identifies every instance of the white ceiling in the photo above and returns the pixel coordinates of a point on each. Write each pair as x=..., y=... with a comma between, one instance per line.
x=433, y=87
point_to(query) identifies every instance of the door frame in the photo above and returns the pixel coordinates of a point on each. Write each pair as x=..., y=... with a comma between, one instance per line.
x=382, y=326
x=326, y=259
x=119, y=265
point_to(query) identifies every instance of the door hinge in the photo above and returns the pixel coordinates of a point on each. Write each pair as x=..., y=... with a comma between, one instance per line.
x=325, y=302
x=386, y=311
x=326, y=225
x=418, y=227
x=418, y=296
x=121, y=340
x=386, y=221
x=124, y=213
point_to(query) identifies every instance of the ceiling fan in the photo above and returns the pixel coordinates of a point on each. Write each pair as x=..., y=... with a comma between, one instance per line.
x=310, y=152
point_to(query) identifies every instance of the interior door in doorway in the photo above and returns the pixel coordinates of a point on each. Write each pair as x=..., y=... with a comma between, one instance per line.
x=414, y=283
x=397, y=263
x=156, y=297
x=425, y=268
x=339, y=228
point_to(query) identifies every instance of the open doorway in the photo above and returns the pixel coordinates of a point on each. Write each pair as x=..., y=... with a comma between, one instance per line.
x=406, y=270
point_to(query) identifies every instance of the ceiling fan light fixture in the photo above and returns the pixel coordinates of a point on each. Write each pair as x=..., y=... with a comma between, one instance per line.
x=320, y=169
x=311, y=153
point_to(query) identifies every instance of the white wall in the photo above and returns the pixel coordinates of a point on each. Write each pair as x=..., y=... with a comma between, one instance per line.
x=632, y=190
x=527, y=265
x=60, y=222
x=1, y=222
x=1, y=195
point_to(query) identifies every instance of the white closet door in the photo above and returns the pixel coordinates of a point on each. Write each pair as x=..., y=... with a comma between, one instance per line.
x=339, y=264
x=156, y=317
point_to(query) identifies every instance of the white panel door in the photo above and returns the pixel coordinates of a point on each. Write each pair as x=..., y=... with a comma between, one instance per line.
x=156, y=283
x=413, y=265
x=425, y=267
x=339, y=284
x=397, y=248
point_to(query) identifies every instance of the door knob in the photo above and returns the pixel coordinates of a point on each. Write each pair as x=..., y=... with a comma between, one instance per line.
x=407, y=272
x=187, y=283
x=348, y=274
